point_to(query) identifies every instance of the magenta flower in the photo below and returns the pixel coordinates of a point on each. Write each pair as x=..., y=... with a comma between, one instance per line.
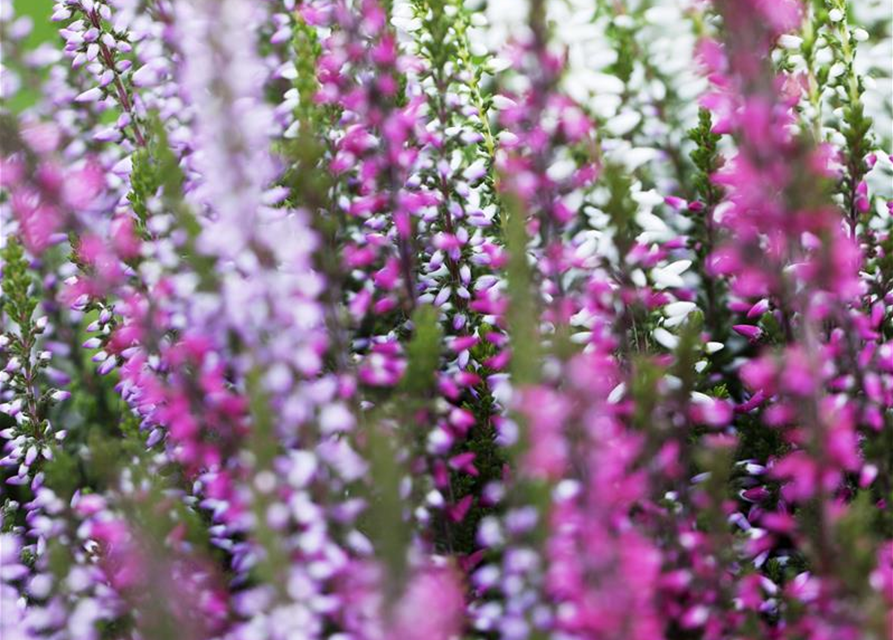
x=353, y=319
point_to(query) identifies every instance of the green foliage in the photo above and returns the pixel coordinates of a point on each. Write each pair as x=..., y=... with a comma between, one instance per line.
x=707, y=161
x=522, y=313
x=460, y=538
x=18, y=305
x=623, y=41
x=157, y=173
x=857, y=132
x=758, y=442
x=688, y=352
x=705, y=156
x=438, y=48
x=852, y=534
x=17, y=302
x=43, y=31
x=307, y=51
x=63, y=473
x=423, y=352
x=490, y=461
x=621, y=209
x=144, y=184
x=883, y=265
x=854, y=124
x=620, y=206
x=444, y=43
x=156, y=167
x=879, y=451
x=719, y=464
x=646, y=375
x=388, y=530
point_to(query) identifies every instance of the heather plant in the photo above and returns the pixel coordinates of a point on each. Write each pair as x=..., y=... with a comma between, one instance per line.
x=446, y=320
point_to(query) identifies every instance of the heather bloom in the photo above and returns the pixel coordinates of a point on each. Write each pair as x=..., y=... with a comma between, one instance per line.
x=433, y=607
x=45, y=198
x=209, y=55
x=368, y=319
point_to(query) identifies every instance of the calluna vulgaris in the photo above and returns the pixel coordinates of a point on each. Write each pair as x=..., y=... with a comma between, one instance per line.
x=446, y=320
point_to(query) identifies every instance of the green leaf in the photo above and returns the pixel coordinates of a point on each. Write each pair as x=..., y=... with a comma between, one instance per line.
x=423, y=352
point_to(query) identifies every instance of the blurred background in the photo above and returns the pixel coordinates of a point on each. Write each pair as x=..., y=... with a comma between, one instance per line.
x=38, y=12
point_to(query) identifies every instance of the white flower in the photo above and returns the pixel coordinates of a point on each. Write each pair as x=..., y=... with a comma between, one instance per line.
x=634, y=158
x=648, y=199
x=680, y=308
x=650, y=222
x=789, y=41
x=665, y=338
x=408, y=26
x=561, y=170
x=661, y=15
x=624, y=21
x=478, y=49
x=336, y=418
x=701, y=398
x=303, y=468
x=671, y=275
x=475, y=171
x=148, y=75
x=677, y=312
x=497, y=65
x=507, y=137
x=502, y=102
x=837, y=69
x=617, y=393
x=601, y=83
x=90, y=95
x=713, y=347
x=638, y=278
x=478, y=19
x=623, y=123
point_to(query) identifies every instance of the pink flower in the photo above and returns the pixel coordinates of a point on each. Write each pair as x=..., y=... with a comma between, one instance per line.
x=546, y=413
x=432, y=607
x=749, y=331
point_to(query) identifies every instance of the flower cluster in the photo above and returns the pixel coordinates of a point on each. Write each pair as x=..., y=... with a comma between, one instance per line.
x=446, y=320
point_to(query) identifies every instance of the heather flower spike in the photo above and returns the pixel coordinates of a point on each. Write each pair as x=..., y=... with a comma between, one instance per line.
x=446, y=320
